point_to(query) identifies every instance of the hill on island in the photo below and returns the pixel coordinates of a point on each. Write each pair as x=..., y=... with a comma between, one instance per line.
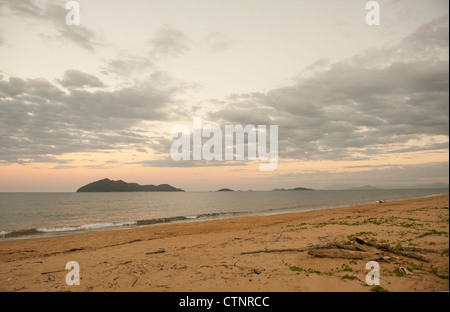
x=225, y=190
x=294, y=189
x=107, y=185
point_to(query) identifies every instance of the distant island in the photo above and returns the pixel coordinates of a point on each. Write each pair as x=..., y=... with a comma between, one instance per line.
x=339, y=187
x=107, y=185
x=364, y=187
x=294, y=189
x=225, y=190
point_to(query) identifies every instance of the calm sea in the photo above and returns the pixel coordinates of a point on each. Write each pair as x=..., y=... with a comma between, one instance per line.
x=42, y=214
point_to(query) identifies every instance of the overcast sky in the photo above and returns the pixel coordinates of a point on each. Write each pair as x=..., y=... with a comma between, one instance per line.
x=355, y=104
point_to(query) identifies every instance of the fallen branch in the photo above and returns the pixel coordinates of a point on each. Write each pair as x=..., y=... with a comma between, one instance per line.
x=161, y=250
x=340, y=253
x=386, y=247
x=361, y=250
x=44, y=273
x=382, y=258
x=327, y=246
x=404, y=253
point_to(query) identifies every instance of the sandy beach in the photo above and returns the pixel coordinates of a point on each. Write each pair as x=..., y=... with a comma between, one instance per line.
x=216, y=255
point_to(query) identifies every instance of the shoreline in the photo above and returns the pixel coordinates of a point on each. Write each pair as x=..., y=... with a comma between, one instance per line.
x=131, y=224
x=206, y=255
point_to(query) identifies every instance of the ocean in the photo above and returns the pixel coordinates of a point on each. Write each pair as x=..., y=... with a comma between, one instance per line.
x=24, y=215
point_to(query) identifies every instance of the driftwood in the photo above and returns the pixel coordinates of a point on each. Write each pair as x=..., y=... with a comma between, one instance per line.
x=360, y=250
x=367, y=248
x=274, y=250
x=161, y=250
x=383, y=258
x=50, y=272
x=386, y=247
x=327, y=246
x=403, y=253
x=340, y=253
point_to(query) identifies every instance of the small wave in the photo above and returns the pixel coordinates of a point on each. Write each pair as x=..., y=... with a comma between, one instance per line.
x=85, y=227
x=4, y=233
x=100, y=226
x=93, y=226
x=18, y=233
x=432, y=195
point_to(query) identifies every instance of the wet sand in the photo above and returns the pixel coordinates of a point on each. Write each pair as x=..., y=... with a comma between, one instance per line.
x=207, y=255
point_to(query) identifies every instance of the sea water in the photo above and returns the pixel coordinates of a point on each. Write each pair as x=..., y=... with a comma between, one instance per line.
x=41, y=214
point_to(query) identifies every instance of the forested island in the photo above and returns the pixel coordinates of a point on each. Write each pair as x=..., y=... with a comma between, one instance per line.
x=107, y=185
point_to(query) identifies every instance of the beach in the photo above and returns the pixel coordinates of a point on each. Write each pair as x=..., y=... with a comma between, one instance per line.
x=242, y=254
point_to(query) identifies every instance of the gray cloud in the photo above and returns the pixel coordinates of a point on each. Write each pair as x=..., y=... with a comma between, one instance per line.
x=216, y=41
x=369, y=104
x=40, y=121
x=77, y=79
x=127, y=65
x=55, y=14
x=432, y=34
x=364, y=103
x=39, y=88
x=170, y=163
x=169, y=42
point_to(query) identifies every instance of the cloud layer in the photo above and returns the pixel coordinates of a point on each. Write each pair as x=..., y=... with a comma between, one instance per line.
x=38, y=120
x=379, y=101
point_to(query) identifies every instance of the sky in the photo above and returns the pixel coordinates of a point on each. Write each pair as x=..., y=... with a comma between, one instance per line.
x=354, y=103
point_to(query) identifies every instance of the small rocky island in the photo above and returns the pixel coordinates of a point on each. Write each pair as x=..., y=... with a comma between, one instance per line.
x=225, y=190
x=294, y=189
x=107, y=185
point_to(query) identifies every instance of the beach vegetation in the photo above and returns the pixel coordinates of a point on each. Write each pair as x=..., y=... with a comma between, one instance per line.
x=378, y=288
x=376, y=221
x=435, y=271
x=346, y=268
x=433, y=232
x=411, y=266
x=350, y=277
x=300, y=269
x=351, y=236
x=300, y=226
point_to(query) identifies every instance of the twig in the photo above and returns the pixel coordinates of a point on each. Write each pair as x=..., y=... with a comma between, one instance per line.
x=43, y=273
x=274, y=250
x=161, y=250
x=327, y=246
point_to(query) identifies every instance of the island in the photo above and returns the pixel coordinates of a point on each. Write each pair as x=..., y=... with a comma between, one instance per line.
x=107, y=185
x=225, y=190
x=294, y=189
x=363, y=188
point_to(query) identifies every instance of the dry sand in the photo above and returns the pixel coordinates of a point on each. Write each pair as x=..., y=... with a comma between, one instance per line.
x=206, y=256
